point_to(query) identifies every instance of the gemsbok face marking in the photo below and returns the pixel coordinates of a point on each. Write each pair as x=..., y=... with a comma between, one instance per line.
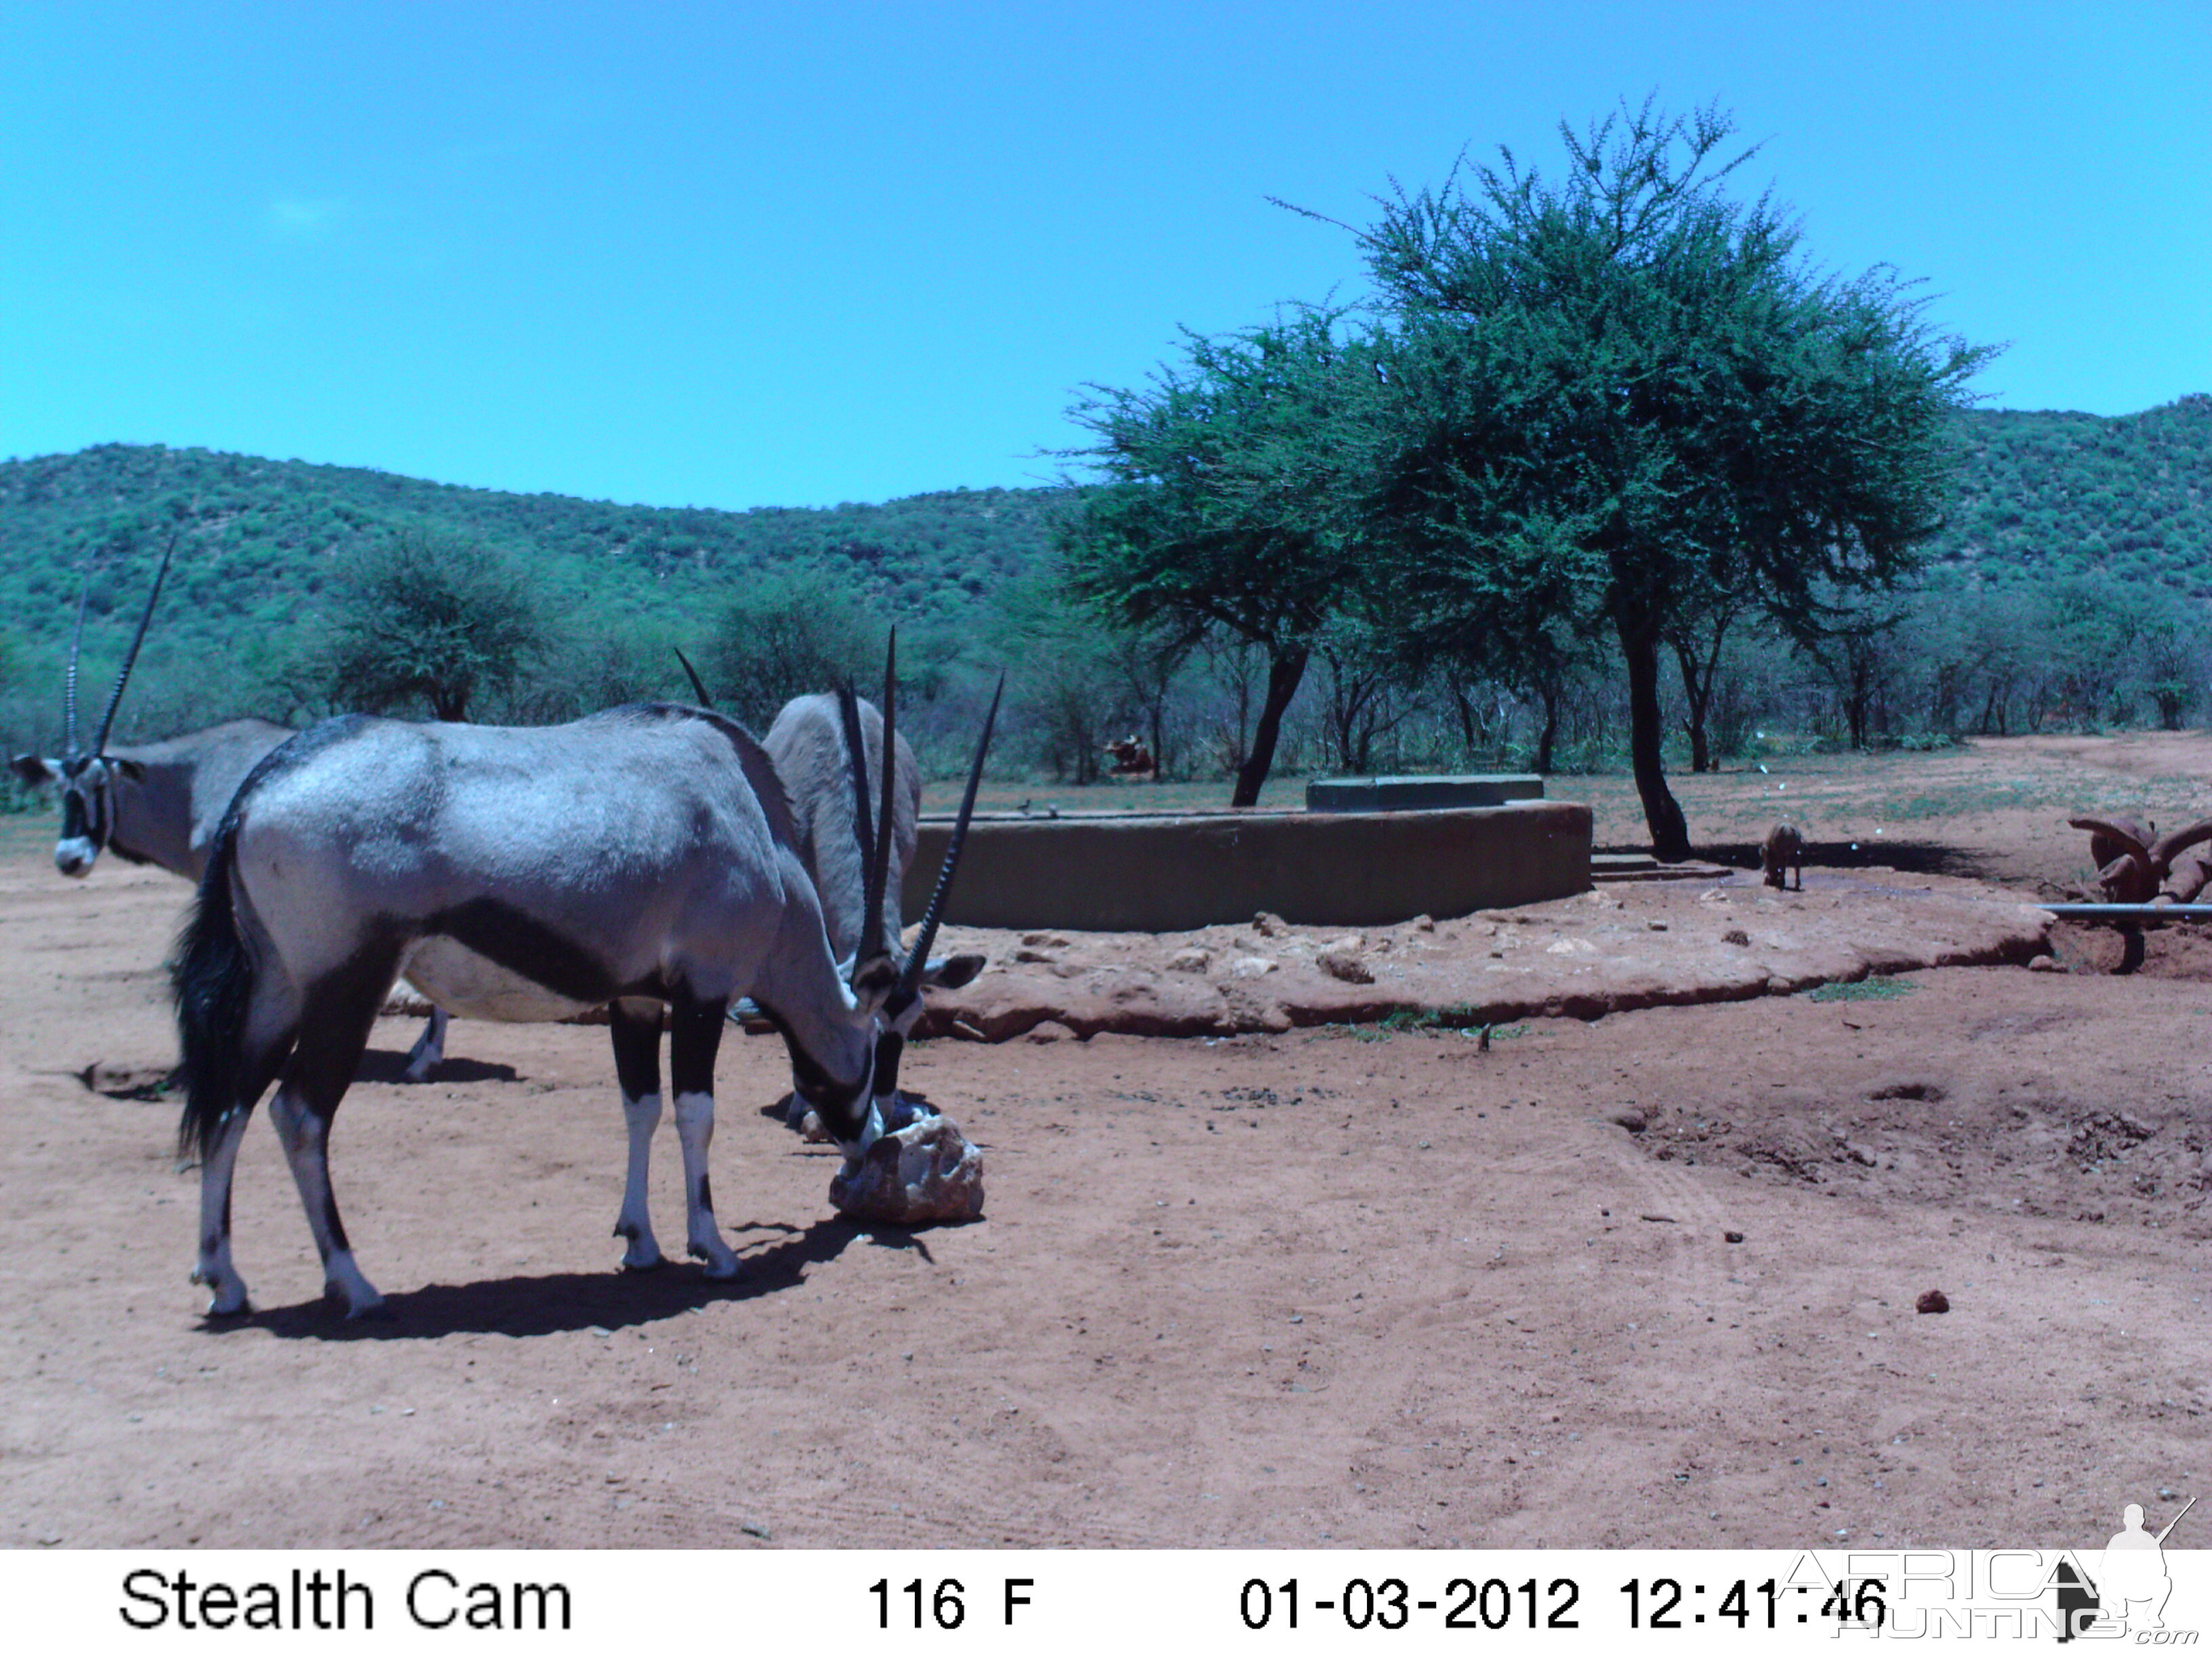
x=644, y=858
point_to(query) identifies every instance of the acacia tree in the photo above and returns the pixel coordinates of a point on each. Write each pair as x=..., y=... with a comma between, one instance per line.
x=789, y=631
x=428, y=617
x=1629, y=384
x=1231, y=500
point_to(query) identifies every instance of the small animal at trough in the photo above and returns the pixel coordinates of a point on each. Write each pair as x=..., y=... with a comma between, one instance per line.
x=644, y=859
x=161, y=803
x=1784, y=849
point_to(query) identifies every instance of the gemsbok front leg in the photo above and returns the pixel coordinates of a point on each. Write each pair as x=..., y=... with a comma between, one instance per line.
x=694, y=1036
x=637, y=1030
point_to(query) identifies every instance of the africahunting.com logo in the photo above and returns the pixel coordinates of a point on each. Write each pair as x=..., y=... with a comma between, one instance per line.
x=2119, y=1595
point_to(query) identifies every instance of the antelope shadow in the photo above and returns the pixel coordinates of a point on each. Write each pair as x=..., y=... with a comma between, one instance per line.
x=546, y=1304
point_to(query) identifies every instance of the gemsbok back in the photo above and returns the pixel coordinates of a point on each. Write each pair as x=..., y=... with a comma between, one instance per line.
x=640, y=859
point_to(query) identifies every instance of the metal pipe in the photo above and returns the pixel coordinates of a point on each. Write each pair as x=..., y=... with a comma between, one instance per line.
x=2130, y=912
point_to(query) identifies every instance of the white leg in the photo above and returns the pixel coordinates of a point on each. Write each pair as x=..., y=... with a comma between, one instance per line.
x=430, y=1049
x=635, y=1223
x=695, y=1132
x=305, y=1135
x=213, y=1269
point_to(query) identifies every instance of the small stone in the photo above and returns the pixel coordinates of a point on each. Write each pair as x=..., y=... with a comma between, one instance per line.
x=926, y=1172
x=1733, y=1238
x=1656, y=926
x=1028, y=954
x=1250, y=966
x=1347, y=966
x=1424, y=924
x=1632, y=1121
x=1268, y=925
x=1056, y=941
x=2045, y=965
x=1191, y=959
x=1736, y=936
x=1933, y=1302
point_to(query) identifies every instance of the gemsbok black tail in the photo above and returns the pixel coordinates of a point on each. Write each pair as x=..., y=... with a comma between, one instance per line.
x=212, y=980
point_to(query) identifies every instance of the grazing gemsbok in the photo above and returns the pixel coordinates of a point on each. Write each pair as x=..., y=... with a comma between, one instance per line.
x=642, y=858
x=815, y=757
x=161, y=803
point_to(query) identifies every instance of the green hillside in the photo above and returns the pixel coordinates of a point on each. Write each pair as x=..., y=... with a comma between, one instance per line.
x=267, y=531
x=2045, y=494
x=2041, y=496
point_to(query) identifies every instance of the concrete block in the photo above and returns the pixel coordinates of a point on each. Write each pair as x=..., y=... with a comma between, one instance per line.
x=1136, y=872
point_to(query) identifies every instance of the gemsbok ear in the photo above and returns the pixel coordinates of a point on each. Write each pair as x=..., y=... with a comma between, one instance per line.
x=951, y=972
x=134, y=770
x=32, y=768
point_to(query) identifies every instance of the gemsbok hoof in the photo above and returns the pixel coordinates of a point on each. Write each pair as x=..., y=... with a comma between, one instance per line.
x=721, y=1263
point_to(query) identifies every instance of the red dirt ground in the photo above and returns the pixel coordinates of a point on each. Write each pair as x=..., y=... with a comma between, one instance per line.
x=1323, y=1285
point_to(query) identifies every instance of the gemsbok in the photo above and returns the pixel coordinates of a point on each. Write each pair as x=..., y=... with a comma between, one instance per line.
x=161, y=803
x=643, y=859
x=815, y=755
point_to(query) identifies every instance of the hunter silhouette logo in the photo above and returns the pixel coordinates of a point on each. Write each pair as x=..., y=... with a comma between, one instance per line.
x=2131, y=1583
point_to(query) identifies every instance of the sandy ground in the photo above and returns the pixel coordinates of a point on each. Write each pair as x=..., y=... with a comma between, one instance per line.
x=1303, y=1284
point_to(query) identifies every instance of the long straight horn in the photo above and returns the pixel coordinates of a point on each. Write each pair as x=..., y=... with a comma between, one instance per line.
x=115, y=697
x=909, y=985
x=68, y=674
x=848, y=713
x=879, y=870
x=697, y=685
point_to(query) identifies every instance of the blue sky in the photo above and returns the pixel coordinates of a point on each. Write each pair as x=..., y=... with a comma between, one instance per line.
x=738, y=255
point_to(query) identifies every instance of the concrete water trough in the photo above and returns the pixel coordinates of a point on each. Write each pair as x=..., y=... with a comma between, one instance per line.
x=1168, y=873
x=1421, y=793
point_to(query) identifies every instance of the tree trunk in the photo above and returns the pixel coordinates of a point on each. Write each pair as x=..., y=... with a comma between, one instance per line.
x=1552, y=694
x=1466, y=707
x=1647, y=731
x=1693, y=722
x=1285, y=670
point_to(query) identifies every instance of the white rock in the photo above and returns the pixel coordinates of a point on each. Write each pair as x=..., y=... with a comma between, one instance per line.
x=926, y=1172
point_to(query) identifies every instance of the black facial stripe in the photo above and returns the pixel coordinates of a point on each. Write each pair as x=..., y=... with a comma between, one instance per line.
x=84, y=810
x=836, y=1104
x=888, y=1047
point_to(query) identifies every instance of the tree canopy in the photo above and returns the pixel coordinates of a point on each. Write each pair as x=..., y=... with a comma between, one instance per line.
x=1623, y=398
x=429, y=617
x=1234, y=485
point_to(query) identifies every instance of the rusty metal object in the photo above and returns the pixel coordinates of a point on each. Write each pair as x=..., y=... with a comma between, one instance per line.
x=2132, y=868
